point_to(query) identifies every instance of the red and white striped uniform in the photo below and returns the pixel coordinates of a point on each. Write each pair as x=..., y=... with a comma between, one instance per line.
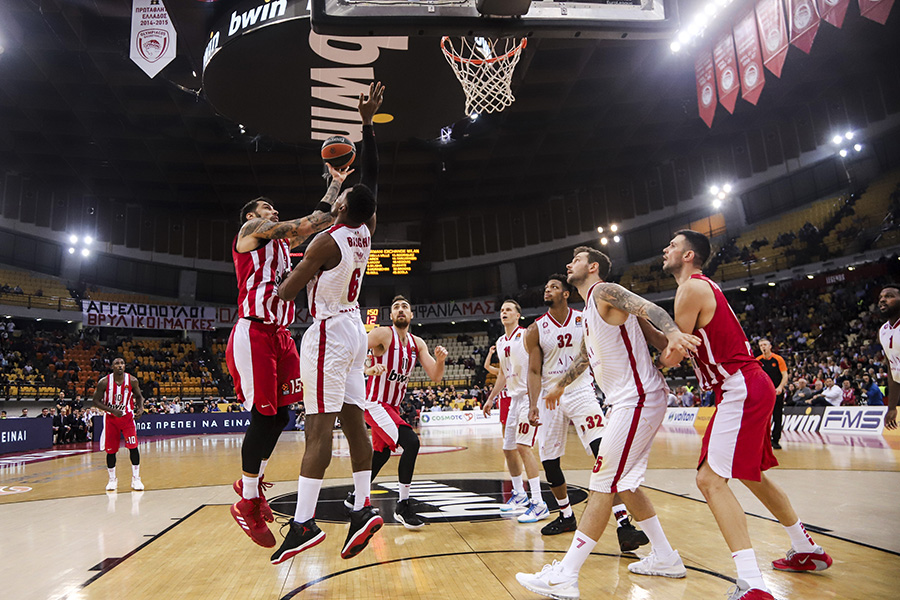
x=619, y=358
x=400, y=360
x=258, y=274
x=514, y=364
x=119, y=395
x=336, y=290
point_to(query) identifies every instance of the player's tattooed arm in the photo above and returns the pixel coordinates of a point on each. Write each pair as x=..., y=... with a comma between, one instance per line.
x=618, y=297
x=578, y=366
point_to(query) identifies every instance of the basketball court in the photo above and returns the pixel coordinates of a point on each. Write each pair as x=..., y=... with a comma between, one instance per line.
x=178, y=540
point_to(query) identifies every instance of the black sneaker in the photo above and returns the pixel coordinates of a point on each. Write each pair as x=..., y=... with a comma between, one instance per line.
x=776, y=445
x=630, y=537
x=560, y=525
x=300, y=536
x=363, y=525
x=351, y=499
x=404, y=513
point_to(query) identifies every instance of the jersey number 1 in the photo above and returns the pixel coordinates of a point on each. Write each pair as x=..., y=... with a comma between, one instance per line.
x=353, y=288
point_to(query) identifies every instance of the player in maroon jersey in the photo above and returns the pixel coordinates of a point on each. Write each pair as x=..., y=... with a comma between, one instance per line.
x=119, y=397
x=736, y=444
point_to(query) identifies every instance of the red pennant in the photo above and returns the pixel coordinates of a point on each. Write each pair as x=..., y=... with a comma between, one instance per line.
x=706, y=86
x=833, y=11
x=876, y=10
x=749, y=58
x=726, y=71
x=772, y=34
x=804, y=20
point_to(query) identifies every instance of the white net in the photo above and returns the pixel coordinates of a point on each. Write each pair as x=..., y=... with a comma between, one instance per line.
x=484, y=68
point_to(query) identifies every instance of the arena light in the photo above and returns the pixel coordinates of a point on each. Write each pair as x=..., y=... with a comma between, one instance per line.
x=614, y=228
x=617, y=239
x=726, y=188
x=849, y=135
x=843, y=153
x=39, y=319
x=604, y=240
x=675, y=46
x=85, y=252
x=71, y=250
x=88, y=240
x=771, y=284
x=722, y=195
x=69, y=322
x=743, y=289
x=600, y=229
x=857, y=147
x=851, y=268
x=837, y=139
x=717, y=203
x=73, y=239
x=713, y=189
x=473, y=117
x=810, y=276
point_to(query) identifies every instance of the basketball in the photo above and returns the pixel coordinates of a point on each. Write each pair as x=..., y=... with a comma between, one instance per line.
x=338, y=151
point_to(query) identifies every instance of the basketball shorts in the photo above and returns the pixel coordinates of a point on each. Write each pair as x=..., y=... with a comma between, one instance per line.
x=579, y=406
x=264, y=364
x=385, y=422
x=625, y=448
x=518, y=429
x=503, y=400
x=116, y=428
x=736, y=443
x=332, y=359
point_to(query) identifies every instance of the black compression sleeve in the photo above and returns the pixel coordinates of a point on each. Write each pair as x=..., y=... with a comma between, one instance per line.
x=369, y=160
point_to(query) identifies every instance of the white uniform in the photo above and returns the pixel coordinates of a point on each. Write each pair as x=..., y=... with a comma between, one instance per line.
x=561, y=345
x=637, y=393
x=333, y=349
x=889, y=336
x=514, y=362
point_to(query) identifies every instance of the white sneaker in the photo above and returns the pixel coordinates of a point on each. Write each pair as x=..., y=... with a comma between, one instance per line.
x=111, y=486
x=137, y=484
x=535, y=513
x=551, y=581
x=516, y=502
x=651, y=565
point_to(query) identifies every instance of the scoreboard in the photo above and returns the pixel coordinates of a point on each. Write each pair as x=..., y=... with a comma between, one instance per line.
x=391, y=261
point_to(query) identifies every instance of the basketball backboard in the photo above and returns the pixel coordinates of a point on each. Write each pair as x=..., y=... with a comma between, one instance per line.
x=608, y=19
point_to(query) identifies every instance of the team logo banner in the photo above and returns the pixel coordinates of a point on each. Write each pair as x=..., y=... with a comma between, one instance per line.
x=804, y=23
x=148, y=316
x=706, y=86
x=726, y=71
x=833, y=11
x=749, y=58
x=772, y=34
x=153, y=37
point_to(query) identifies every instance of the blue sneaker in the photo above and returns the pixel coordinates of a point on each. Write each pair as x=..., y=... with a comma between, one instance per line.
x=535, y=513
x=516, y=502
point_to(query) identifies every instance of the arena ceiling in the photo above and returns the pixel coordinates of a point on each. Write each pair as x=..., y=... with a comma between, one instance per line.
x=74, y=110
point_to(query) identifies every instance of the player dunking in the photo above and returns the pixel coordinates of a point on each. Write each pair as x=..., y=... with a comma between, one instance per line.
x=395, y=352
x=736, y=444
x=519, y=435
x=119, y=397
x=553, y=342
x=333, y=355
x=889, y=306
x=261, y=354
x=615, y=348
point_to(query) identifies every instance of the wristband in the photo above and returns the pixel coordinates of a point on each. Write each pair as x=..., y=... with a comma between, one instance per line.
x=323, y=207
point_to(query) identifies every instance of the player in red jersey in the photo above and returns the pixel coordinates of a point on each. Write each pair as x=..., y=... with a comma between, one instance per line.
x=394, y=355
x=119, y=397
x=736, y=444
x=333, y=355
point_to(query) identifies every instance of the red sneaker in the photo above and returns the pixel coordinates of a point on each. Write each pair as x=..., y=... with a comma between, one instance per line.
x=817, y=560
x=247, y=514
x=264, y=509
x=743, y=591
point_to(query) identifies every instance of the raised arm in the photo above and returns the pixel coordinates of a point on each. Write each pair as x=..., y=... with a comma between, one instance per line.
x=98, y=399
x=322, y=250
x=368, y=106
x=487, y=362
x=433, y=365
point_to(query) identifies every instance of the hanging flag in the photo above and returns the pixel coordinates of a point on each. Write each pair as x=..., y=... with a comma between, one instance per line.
x=804, y=20
x=772, y=34
x=749, y=58
x=153, y=38
x=726, y=71
x=833, y=11
x=706, y=86
x=876, y=10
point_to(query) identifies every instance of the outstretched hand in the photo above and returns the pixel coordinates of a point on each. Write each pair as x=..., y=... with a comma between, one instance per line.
x=369, y=105
x=338, y=175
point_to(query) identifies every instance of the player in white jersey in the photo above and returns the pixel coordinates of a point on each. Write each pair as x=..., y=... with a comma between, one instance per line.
x=332, y=358
x=889, y=336
x=119, y=397
x=394, y=353
x=519, y=435
x=615, y=348
x=553, y=342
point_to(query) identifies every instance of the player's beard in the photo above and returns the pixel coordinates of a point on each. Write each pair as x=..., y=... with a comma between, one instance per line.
x=401, y=323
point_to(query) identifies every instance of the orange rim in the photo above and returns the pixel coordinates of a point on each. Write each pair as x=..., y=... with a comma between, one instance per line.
x=480, y=61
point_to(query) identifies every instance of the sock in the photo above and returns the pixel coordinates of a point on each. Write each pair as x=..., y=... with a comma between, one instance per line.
x=800, y=540
x=136, y=471
x=565, y=508
x=578, y=552
x=621, y=513
x=262, y=467
x=535, y=486
x=518, y=484
x=251, y=487
x=362, y=487
x=404, y=491
x=659, y=543
x=748, y=568
x=307, y=497
x=112, y=473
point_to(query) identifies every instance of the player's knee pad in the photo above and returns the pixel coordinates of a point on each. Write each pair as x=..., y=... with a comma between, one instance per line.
x=135, y=456
x=553, y=471
x=110, y=460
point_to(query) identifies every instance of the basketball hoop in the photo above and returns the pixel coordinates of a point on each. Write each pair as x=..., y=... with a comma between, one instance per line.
x=484, y=68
